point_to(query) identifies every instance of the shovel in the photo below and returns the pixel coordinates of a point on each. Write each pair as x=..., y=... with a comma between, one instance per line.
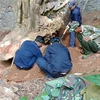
x=64, y=32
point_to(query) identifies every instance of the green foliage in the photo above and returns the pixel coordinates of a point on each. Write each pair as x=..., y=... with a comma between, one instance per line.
x=43, y=96
x=93, y=78
x=38, y=98
x=23, y=98
x=45, y=93
x=55, y=92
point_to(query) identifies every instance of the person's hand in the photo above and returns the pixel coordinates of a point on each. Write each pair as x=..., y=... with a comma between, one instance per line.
x=67, y=27
x=78, y=30
x=86, y=38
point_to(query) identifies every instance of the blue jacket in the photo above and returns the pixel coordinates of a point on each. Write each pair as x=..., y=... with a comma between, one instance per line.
x=75, y=15
x=58, y=58
x=26, y=56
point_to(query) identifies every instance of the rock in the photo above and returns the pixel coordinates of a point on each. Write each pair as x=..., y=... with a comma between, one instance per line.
x=8, y=10
x=6, y=72
x=48, y=26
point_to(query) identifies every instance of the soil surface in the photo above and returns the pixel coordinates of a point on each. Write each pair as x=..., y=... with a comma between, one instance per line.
x=90, y=65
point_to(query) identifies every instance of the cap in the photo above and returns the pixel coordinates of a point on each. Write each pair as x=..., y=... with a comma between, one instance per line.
x=73, y=26
x=40, y=39
x=54, y=39
x=71, y=3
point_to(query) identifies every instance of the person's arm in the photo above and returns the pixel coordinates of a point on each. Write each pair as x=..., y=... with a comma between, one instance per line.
x=37, y=52
x=78, y=30
x=47, y=55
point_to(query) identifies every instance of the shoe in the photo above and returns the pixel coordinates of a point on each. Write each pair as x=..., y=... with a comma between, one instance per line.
x=86, y=56
x=98, y=51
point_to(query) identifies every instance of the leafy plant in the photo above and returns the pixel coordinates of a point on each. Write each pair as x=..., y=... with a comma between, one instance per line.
x=93, y=78
x=44, y=96
x=23, y=98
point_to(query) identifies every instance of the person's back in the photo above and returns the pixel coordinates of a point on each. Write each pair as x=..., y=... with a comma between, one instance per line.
x=56, y=61
x=26, y=55
x=59, y=60
x=76, y=15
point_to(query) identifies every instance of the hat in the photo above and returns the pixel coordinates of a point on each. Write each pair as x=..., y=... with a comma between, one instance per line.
x=54, y=39
x=71, y=3
x=73, y=26
x=40, y=39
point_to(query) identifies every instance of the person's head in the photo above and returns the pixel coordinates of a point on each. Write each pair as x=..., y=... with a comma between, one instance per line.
x=54, y=40
x=74, y=26
x=71, y=4
x=39, y=41
x=47, y=39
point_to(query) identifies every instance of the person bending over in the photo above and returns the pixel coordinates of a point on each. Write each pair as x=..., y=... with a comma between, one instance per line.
x=26, y=55
x=56, y=61
x=88, y=36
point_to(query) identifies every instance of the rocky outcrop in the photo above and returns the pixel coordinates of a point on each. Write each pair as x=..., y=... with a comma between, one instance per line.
x=88, y=6
x=27, y=12
x=8, y=14
x=25, y=19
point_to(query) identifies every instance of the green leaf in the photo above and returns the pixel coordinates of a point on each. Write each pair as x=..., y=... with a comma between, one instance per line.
x=37, y=98
x=45, y=97
x=55, y=92
x=23, y=98
x=40, y=96
x=93, y=78
x=45, y=93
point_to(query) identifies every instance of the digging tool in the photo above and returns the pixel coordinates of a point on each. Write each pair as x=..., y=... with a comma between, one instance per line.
x=64, y=32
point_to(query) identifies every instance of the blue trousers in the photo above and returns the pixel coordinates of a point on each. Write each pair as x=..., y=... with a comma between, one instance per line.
x=46, y=67
x=72, y=39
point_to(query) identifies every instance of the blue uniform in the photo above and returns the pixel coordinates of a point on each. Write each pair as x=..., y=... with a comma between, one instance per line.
x=26, y=56
x=56, y=60
x=75, y=15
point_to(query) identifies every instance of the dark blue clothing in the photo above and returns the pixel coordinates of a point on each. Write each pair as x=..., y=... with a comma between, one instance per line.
x=56, y=60
x=26, y=56
x=72, y=39
x=75, y=15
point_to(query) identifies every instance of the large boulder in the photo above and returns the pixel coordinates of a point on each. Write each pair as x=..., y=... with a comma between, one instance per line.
x=14, y=39
x=25, y=19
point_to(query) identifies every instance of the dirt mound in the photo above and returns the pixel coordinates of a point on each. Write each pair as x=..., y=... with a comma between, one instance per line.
x=17, y=75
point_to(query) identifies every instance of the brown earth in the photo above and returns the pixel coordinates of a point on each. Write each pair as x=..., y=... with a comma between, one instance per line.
x=91, y=65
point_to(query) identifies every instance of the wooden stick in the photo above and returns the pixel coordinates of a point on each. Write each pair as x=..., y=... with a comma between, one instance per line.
x=64, y=32
x=14, y=57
